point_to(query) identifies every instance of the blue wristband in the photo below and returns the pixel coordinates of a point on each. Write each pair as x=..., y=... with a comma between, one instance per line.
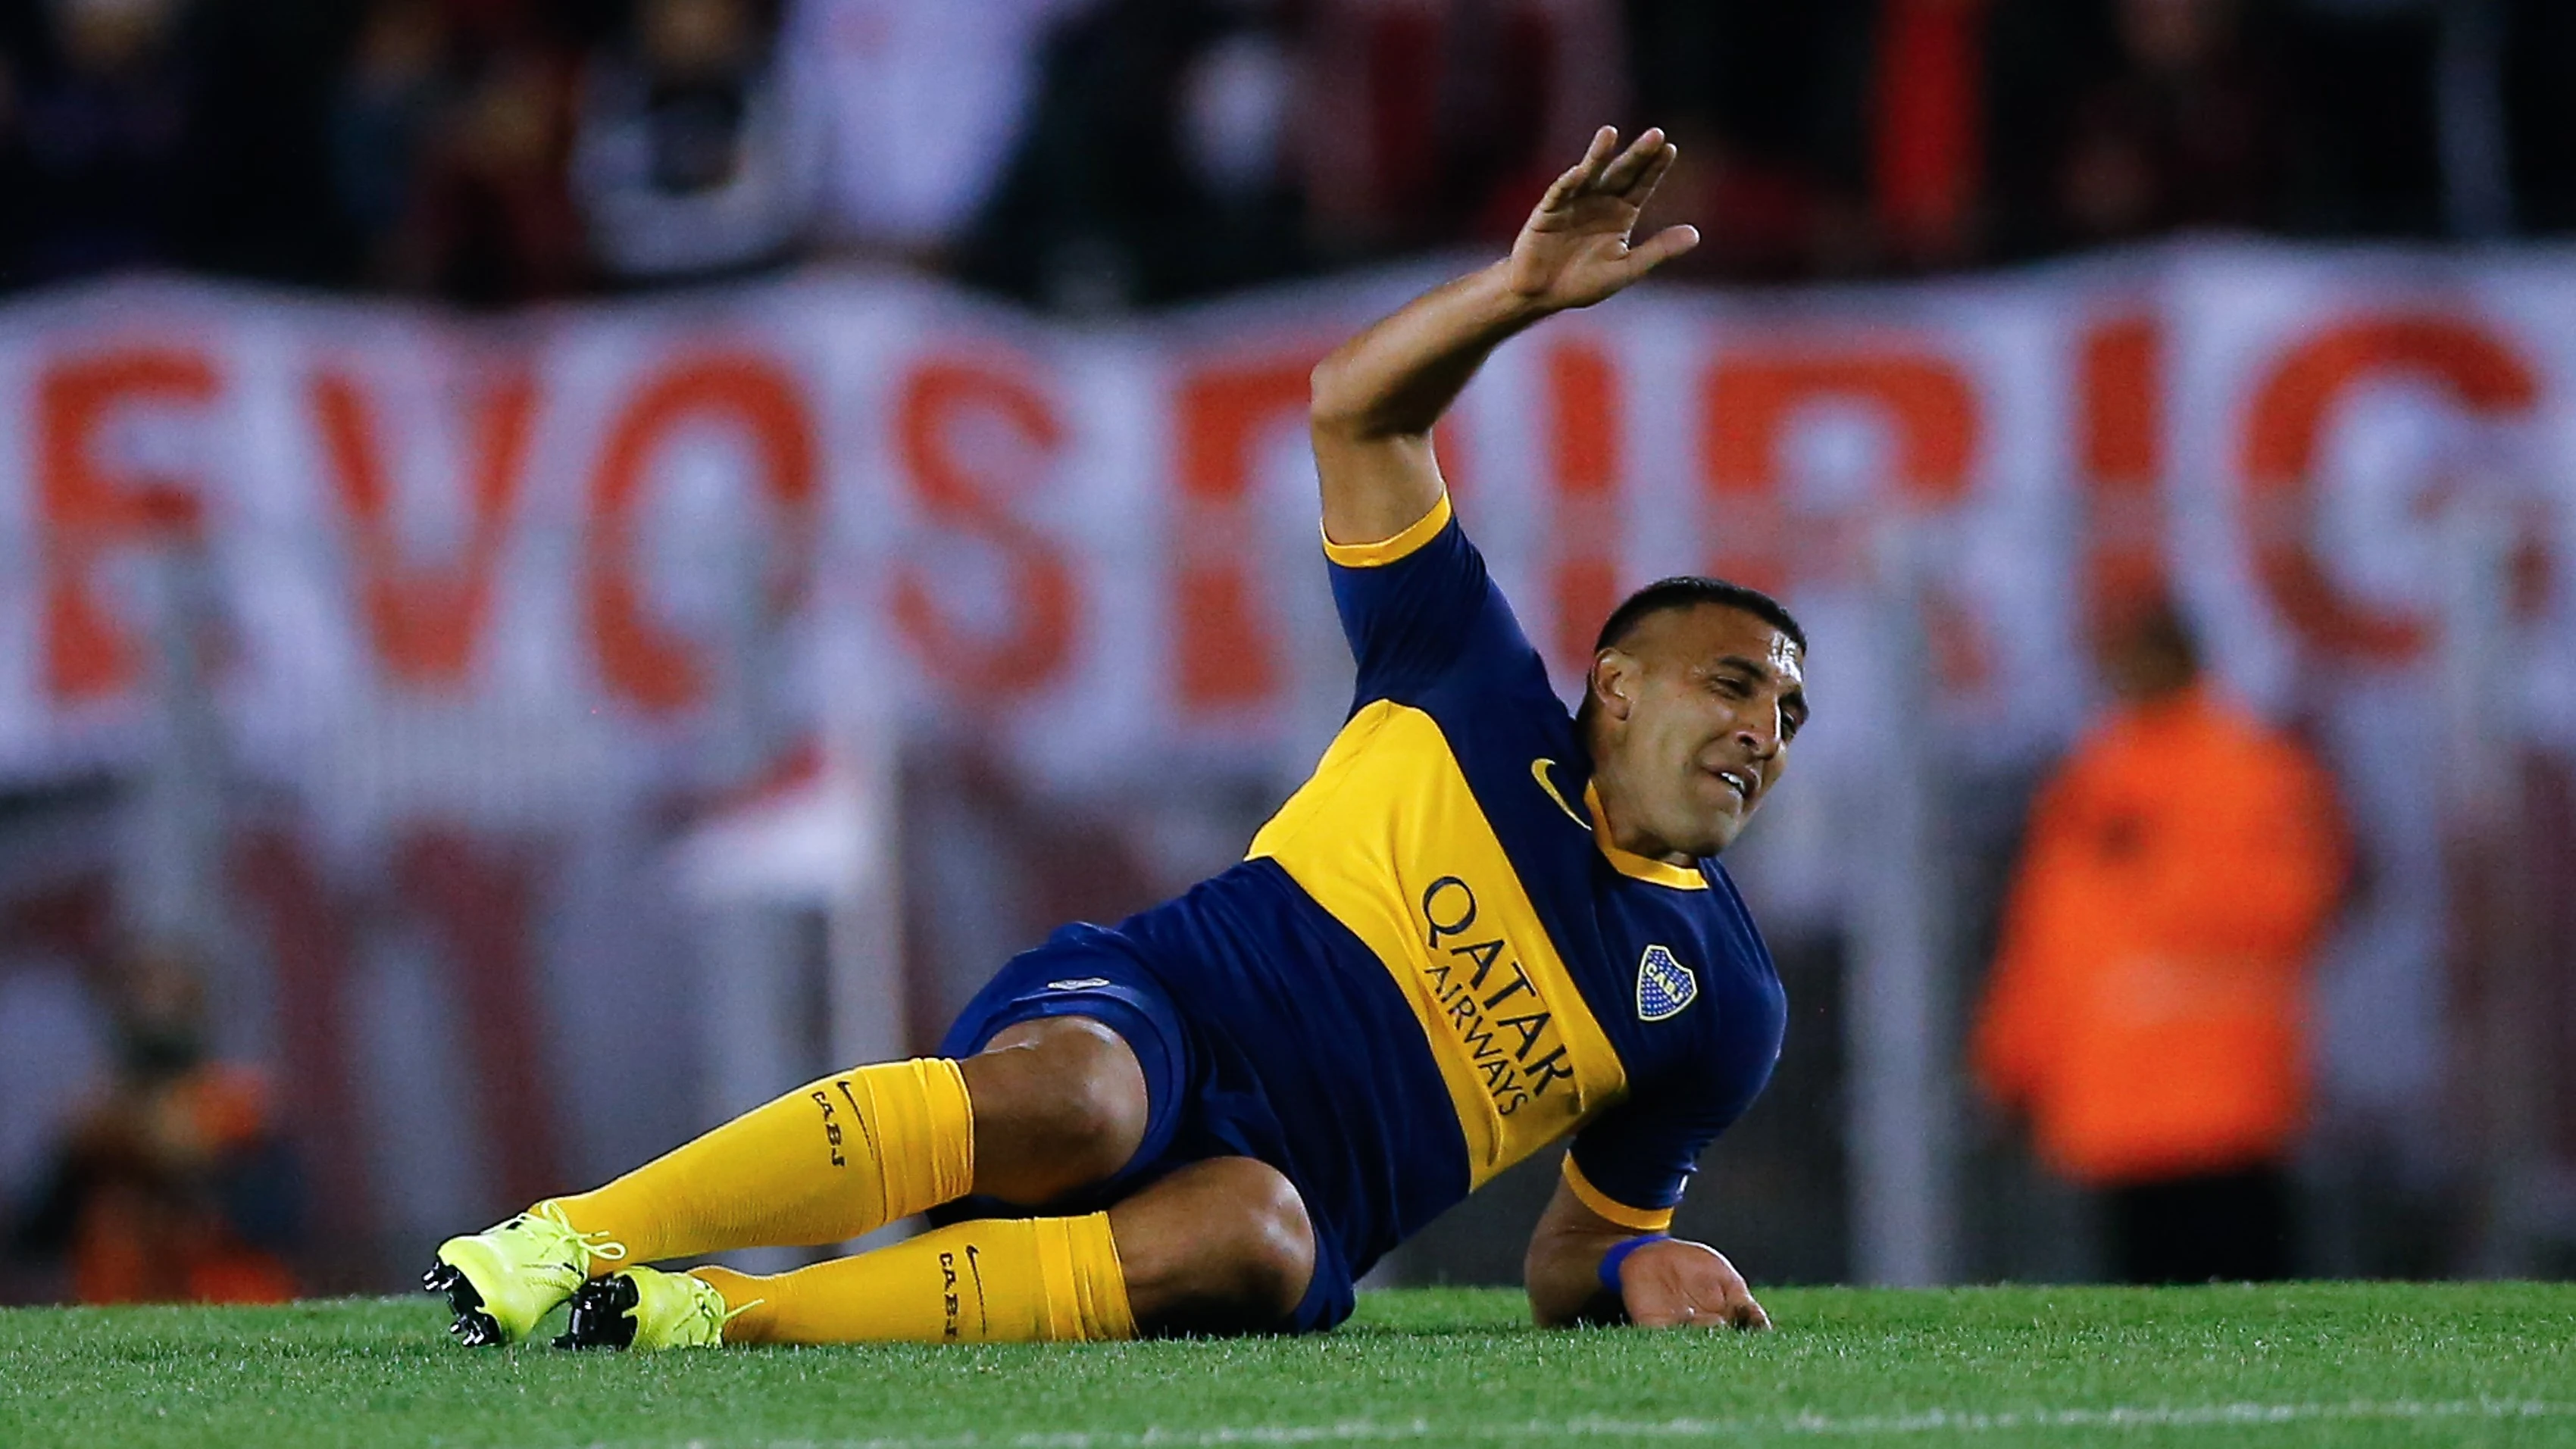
x=1611, y=1261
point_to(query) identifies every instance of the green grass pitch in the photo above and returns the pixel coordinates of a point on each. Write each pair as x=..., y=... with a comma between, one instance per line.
x=2306, y=1364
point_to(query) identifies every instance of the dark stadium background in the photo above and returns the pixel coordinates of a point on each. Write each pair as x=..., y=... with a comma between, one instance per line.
x=470, y=173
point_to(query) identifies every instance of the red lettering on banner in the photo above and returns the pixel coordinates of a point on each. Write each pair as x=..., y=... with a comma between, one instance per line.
x=1583, y=397
x=650, y=665
x=425, y=621
x=1751, y=401
x=86, y=510
x=2121, y=415
x=2283, y=430
x=941, y=396
x=1229, y=656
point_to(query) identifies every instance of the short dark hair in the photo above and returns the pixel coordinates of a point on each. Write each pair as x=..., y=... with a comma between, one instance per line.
x=1689, y=591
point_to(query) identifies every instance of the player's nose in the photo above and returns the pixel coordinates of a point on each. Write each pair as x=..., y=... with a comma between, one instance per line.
x=1758, y=734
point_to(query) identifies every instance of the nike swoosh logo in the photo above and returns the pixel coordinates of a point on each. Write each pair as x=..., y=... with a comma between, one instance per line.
x=1538, y=771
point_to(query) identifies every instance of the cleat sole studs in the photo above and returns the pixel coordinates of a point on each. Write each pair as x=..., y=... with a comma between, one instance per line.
x=603, y=1314
x=472, y=1327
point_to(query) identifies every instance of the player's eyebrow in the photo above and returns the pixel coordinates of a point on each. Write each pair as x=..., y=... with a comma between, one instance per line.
x=1794, y=701
x=1754, y=667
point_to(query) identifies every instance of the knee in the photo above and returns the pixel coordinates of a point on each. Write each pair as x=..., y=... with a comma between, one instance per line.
x=1221, y=1246
x=1060, y=1105
x=1246, y=1249
x=1272, y=1246
x=1100, y=1121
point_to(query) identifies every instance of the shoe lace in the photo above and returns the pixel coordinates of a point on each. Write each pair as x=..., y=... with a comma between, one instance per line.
x=711, y=1306
x=590, y=1245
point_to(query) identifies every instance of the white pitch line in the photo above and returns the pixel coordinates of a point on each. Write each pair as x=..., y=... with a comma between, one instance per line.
x=1930, y=1421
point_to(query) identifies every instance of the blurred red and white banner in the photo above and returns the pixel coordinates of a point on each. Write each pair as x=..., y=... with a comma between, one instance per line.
x=1100, y=539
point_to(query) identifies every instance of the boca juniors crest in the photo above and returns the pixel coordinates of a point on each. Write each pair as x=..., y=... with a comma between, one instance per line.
x=1664, y=985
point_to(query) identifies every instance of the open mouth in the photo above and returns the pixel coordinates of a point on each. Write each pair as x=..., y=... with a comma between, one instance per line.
x=1738, y=781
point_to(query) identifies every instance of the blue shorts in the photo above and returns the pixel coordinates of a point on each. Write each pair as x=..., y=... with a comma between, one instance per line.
x=1192, y=1115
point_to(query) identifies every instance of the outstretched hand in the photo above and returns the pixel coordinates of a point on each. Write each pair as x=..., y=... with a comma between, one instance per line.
x=1677, y=1284
x=1574, y=249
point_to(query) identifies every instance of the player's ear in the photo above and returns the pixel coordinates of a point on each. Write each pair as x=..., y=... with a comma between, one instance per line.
x=1613, y=682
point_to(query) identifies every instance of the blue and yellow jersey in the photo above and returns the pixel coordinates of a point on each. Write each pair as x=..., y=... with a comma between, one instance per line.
x=1431, y=965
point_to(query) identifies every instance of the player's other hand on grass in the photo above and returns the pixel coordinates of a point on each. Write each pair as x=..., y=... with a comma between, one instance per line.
x=1678, y=1284
x=1575, y=248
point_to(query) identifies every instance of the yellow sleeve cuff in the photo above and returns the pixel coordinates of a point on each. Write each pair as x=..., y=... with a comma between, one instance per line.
x=1386, y=551
x=1635, y=1220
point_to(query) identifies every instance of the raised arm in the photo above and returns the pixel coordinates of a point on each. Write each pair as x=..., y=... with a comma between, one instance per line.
x=1377, y=396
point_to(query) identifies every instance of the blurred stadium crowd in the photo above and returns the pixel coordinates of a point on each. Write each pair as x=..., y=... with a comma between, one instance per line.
x=1092, y=154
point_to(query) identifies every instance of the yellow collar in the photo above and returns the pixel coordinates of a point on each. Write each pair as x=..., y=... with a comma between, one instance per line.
x=1628, y=862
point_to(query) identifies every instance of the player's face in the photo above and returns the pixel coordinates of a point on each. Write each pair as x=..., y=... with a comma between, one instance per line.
x=1702, y=727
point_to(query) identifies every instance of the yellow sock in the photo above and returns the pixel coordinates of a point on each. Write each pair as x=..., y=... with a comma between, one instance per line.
x=1014, y=1280
x=828, y=1161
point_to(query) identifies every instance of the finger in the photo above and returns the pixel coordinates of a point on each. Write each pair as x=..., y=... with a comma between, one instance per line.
x=1638, y=192
x=1621, y=174
x=1605, y=144
x=1749, y=1315
x=1658, y=249
x=1561, y=190
x=1587, y=172
x=1581, y=173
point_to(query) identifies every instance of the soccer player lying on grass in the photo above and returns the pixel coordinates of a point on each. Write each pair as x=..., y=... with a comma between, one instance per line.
x=1480, y=926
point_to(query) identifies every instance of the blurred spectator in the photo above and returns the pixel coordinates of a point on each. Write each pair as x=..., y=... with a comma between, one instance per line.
x=2540, y=111
x=17, y=49
x=175, y=1186
x=256, y=199
x=103, y=125
x=2118, y=119
x=1927, y=127
x=450, y=141
x=1153, y=166
x=691, y=156
x=490, y=222
x=1099, y=153
x=1426, y=121
x=394, y=89
x=1766, y=103
x=922, y=106
x=2147, y=1007
x=2357, y=93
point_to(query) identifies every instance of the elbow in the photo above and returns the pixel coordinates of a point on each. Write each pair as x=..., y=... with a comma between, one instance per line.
x=1332, y=406
x=1345, y=401
x=1562, y=1305
x=1557, y=1298
x=1534, y=1282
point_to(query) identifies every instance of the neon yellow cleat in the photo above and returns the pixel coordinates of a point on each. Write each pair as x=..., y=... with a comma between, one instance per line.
x=501, y=1281
x=645, y=1308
